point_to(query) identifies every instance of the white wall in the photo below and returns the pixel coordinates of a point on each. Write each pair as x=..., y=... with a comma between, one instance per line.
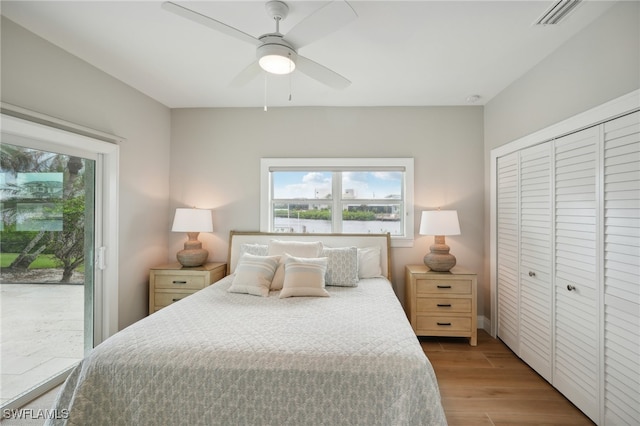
x=215, y=163
x=44, y=78
x=599, y=64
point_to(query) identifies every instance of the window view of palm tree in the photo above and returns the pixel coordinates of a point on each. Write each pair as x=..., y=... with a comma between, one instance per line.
x=46, y=234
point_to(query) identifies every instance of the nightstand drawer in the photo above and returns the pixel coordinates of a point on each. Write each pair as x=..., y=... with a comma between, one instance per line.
x=172, y=282
x=437, y=305
x=436, y=286
x=443, y=323
x=165, y=299
x=187, y=282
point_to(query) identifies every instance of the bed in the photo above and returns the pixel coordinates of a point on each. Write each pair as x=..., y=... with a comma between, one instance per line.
x=227, y=356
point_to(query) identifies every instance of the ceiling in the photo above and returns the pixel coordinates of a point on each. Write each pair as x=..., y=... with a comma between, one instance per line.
x=396, y=53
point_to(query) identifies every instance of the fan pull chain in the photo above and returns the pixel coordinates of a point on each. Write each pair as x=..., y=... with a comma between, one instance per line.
x=290, y=72
x=265, y=92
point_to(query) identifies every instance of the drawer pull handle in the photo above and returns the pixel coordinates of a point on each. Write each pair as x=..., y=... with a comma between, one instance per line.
x=571, y=287
x=532, y=274
x=444, y=305
x=444, y=286
x=175, y=300
x=179, y=282
x=444, y=323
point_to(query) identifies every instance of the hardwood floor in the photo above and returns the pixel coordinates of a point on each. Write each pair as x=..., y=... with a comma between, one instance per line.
x=489, y=385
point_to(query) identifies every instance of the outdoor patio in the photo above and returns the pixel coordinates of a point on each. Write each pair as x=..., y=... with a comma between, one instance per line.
x=41, y=333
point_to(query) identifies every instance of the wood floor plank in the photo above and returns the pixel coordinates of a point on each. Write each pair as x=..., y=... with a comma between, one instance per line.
x=501, y=393
x=522, y=406
x=465, y=419
x=509, y=377
x=505, y=360
x=430, y=345
x=539, y=420
x=460, y=359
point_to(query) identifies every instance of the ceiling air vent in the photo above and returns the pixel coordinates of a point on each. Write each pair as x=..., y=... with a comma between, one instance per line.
x=557, y=12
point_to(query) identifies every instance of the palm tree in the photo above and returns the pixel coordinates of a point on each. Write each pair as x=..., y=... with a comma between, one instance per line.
x=66, y=245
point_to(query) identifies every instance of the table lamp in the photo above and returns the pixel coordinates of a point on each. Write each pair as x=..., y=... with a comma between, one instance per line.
x=439, y=223
x=192, y=221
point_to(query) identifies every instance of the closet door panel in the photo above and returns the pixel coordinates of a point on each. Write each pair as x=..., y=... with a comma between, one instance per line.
x=536, y=252
x=622, y=270
x=577, y=337
x=507, y=249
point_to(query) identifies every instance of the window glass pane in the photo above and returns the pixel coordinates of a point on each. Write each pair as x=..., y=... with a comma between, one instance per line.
x=301, y=185
x=372, y=185
x=338, y=195
x=46, y=269
x=302, y=217
x=372, y=218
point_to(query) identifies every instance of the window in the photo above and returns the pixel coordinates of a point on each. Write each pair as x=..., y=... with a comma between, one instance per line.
x=338, y=195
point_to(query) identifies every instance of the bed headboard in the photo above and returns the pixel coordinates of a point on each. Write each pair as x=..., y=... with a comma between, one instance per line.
x=236, y=238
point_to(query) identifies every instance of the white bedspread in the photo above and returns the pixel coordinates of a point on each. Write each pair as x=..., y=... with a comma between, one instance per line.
x=217, y=358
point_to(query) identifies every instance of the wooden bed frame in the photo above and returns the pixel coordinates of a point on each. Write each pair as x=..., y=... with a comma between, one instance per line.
x=236, y=238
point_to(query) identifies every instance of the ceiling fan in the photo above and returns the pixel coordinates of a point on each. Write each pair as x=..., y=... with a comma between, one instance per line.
x=277, y=53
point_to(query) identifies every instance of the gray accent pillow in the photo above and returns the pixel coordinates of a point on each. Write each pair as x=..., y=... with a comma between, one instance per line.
x=342, y=268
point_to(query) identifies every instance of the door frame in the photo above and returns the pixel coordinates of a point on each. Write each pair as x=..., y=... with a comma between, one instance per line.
x=50, y=133
x=107, y=183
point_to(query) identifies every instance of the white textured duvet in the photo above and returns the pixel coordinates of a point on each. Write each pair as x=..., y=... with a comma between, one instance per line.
x=217, y=358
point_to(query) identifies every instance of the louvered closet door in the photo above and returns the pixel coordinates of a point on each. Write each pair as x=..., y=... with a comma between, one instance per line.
x=536, y=224
x=507, y=249
x=622, y=270
x=576, y=372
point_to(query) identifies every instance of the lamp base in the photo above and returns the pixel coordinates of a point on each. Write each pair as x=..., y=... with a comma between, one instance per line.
x=439, y=259
x=193, y=253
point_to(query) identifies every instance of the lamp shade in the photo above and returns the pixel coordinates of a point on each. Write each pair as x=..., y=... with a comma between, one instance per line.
x=439, y=222
x=192, y=220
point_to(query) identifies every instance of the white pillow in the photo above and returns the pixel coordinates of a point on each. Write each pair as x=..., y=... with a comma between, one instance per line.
x=257, y=249
x=304, y=277
x=342, y=266
x=253, y=274
x=293, y=248
x=369, y=262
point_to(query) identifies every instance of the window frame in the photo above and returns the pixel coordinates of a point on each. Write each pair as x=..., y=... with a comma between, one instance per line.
x=406, y=165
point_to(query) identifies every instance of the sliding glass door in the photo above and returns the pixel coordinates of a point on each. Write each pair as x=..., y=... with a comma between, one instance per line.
x=47, y=277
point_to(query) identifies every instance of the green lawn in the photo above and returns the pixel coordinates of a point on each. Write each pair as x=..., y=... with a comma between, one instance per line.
x=42, y=262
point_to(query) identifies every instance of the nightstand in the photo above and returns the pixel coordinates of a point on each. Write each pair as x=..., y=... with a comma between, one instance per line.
x=172, y=282
x=441, y=303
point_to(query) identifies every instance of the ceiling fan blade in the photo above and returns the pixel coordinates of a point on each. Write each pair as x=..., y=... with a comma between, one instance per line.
x=320, y=23
x=321, y=73
x=210, y=22
x=246, y=75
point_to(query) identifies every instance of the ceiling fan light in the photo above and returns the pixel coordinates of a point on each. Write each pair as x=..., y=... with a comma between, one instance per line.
x=276, y=57
x=277, y=64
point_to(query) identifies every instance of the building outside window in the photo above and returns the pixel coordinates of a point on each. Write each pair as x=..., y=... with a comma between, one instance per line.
x=338, y=195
